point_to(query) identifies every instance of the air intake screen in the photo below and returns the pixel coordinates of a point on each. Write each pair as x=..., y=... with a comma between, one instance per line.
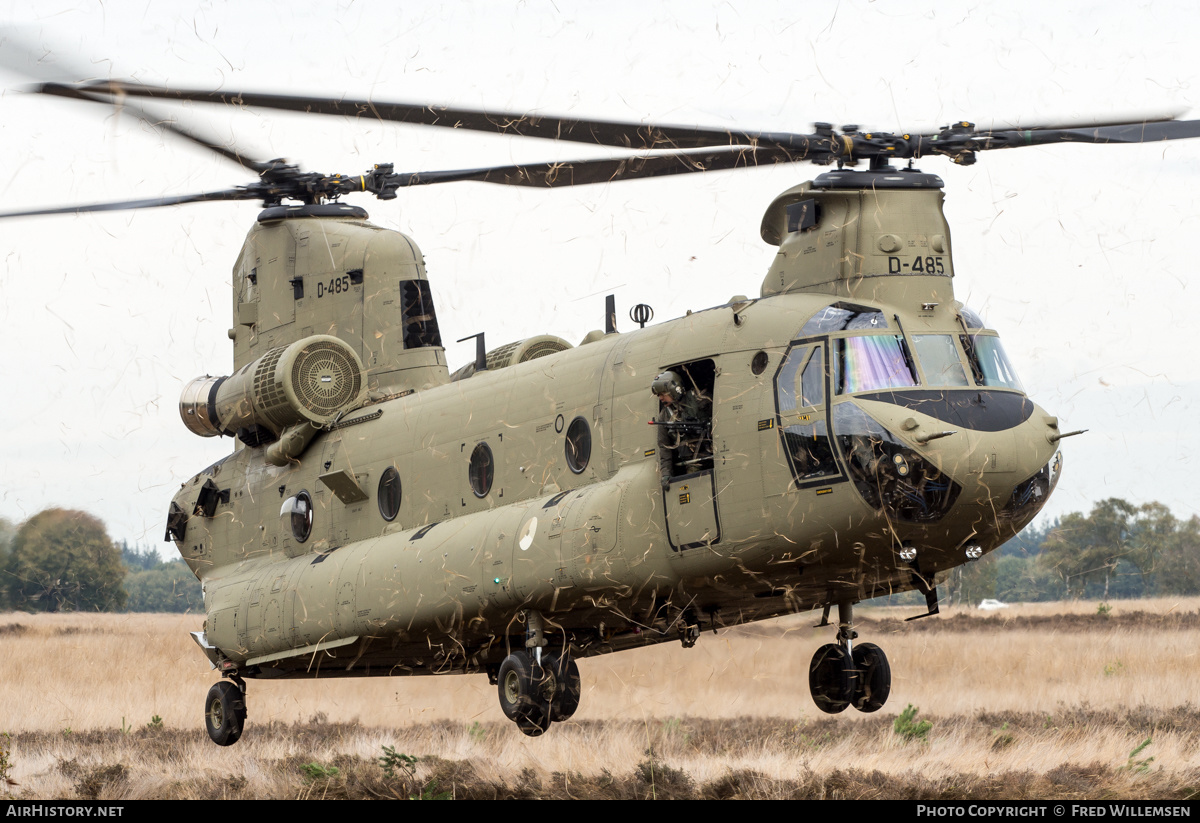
x=325, y=378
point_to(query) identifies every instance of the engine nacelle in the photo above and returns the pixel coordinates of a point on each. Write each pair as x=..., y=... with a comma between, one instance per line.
x=510, y=354
x=313, y=380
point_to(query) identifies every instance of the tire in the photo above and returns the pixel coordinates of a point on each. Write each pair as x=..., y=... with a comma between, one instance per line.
x=829, y=679
x=225, y=713
x=874, y=682
x=534, y=721
x=516, y=689
x=567, y=687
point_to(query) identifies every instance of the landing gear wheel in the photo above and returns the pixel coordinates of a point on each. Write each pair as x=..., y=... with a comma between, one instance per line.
x=567, y=688
x=829, y=679
x=534, y=723
x=522, y=699
x=225, y=713
x=515, y=685
x=874, y=681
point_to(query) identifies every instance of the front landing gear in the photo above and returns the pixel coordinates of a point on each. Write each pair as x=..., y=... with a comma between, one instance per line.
x=874, y=682
x=843, y=674
x=225, y=711
x=829, y=679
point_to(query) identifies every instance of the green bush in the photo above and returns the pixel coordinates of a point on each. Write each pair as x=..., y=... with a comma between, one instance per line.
x=315, y=771
x=909, y=727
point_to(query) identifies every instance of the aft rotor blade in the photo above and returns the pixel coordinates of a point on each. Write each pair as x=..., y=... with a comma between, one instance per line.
x=147, y=203
x=584, y=172
x=63, y=78
x=164, y=122
x=619, y=134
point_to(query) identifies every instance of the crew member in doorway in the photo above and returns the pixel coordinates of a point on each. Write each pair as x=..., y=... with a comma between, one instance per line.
x=684, y=434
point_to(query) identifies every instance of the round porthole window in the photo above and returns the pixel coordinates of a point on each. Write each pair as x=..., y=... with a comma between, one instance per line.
x=759, y=363
x=578, y=445
x=389, y=493
x=482, y=470
x=297, y=514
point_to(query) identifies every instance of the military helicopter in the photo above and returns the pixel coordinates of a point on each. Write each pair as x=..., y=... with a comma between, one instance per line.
x=852, y=431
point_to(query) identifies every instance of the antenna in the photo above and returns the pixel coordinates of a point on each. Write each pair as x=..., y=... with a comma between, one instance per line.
x=480, y=351
x=641, y=314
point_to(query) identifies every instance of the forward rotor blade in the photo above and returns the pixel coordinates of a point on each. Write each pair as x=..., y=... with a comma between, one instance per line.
x=619, y=134
x=1151, y=132
x=1160, y=116
x=148, y=203
x=963, y=140
x=584, y=172
x=639, y=136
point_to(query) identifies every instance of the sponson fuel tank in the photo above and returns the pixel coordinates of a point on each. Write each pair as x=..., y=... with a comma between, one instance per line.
x=551, y=551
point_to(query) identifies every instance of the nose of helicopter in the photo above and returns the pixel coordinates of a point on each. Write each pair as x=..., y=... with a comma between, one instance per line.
x=979, y=467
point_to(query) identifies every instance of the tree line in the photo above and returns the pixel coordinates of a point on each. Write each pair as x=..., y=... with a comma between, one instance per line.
x=1117, y=550
x=64, y=560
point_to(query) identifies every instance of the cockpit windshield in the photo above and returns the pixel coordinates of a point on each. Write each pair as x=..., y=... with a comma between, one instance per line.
x=939, y=359
x=876, y=356
x=871, y=363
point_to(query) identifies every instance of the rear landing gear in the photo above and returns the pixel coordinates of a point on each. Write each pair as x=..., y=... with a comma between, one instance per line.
x=567, y=688
x=535, y=695
x=844, y=674
x=225, y=711
x=538, y=688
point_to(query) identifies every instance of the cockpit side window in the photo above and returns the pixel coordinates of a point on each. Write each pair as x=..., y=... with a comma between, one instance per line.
x=970, y=319
x=812, y=382
x=786, y=392
x=990, y=366
x=800, y=394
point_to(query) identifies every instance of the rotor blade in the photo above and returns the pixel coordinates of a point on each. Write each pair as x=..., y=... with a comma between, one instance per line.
x=20, y=55
x=642, y=136
x=1160, y=116
x=164, y=122
x=962, y=138
x=148, y=203
x=620, y=134
x=1123, y=133
x=63, y=78
x=536, y=175
x=584, y=172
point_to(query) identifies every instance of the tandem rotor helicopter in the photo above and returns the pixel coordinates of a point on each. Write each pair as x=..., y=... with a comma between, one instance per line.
x=852, y=431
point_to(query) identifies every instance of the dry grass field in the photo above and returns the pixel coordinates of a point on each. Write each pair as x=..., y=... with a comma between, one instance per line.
x=1045, y=700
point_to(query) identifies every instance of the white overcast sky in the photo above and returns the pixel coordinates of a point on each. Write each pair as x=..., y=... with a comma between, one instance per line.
x=1082, y=257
